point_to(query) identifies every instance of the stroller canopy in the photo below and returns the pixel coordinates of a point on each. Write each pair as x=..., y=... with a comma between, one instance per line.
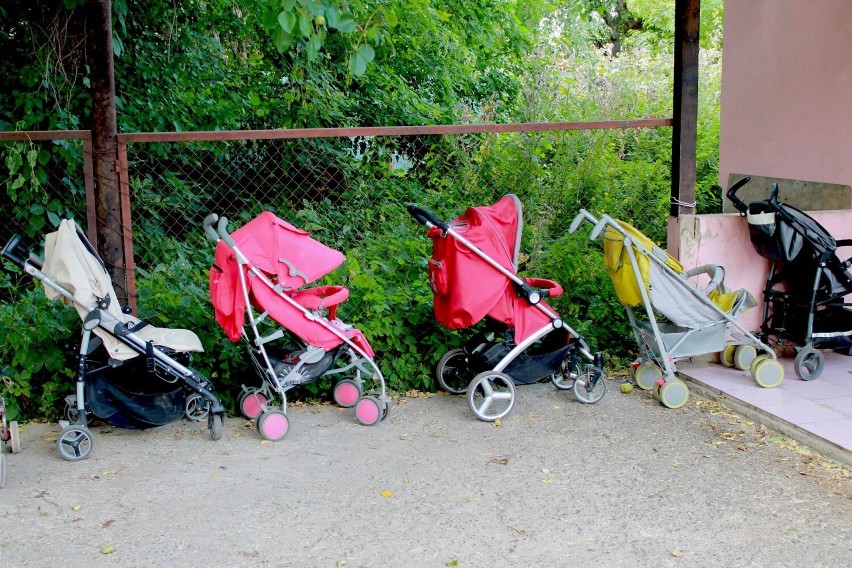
x=465, y=287
x=70, y=261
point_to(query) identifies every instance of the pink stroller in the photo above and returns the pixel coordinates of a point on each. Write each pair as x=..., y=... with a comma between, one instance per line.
x=263, y=266
x=473, y=274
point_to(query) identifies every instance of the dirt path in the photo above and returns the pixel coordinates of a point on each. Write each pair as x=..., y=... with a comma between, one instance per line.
x=623, y=483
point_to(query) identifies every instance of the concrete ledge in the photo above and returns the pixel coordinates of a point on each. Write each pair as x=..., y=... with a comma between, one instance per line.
x=821, y=445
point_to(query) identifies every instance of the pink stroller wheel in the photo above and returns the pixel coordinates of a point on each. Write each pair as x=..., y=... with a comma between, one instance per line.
x=346, y=393
x=251, y=403
x=368, y=411
x=273, y=425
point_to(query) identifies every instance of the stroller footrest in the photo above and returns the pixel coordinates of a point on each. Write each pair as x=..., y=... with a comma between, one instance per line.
x=277, y=334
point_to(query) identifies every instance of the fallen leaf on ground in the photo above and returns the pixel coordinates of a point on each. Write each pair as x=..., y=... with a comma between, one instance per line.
x=386, y=493
x=677, y=553
x=75, y=507
x=108, y=549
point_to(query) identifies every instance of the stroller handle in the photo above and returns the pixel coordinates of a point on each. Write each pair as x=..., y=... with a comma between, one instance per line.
x=426, y=217
x=739, y=204
x=208, y=227
x=222, y=229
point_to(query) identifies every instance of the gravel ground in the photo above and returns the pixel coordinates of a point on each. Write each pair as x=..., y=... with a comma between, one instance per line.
x=625, y=482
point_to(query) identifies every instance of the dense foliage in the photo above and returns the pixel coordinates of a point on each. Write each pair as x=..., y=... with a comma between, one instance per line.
x=256, y=64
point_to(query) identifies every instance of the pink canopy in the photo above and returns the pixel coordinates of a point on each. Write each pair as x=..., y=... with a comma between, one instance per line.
x=467, y=288
x=290, y=258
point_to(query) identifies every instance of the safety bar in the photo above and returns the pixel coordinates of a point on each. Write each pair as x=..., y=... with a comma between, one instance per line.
x=714, y=271
x=739, y=204
x=426, y=217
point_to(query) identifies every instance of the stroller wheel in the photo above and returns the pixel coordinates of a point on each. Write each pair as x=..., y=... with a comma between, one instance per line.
x=809, y=363
x=386, y=408
x=14, y=438
x=196, y=408
x=273, y=425
x=673, y=394
x=252, y=402
x=646, y=375
x=369, y=410
x=215, y=425
x=586, y=392
x=452, y=371
x=2, y=470
x=491, y=395
x=75, y=443
x=346, y=393
x=563, y=379
x=767, y=372
x=726, y=357
x=743, y=356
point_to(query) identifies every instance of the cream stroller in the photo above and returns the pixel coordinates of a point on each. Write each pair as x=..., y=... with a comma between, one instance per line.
x=680, y=320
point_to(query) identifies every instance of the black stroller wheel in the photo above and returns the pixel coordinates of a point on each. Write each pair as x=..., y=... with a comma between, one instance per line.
x=196, y=408
x=809, y=363
x=75, y=443
x=215, y=425
x=453, y=371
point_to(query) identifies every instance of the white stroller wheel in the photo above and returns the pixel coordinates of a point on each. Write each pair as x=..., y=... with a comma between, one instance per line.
x=809, y=363
x=673, y=394
x=75, y=443
x=587, y=393
x=646, y=375
x=14, y=437
x=768, y=372
x=2, y=469
x=453, y=371
x=743, y=356
x=491, y=395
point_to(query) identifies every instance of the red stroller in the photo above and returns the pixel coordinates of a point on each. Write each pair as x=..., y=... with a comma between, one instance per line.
x=263, y=266
x=473, y=274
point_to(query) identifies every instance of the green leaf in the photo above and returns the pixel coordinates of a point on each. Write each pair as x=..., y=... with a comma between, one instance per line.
x=345, y=24
x=359, y=61
x=313, y=47
x=287, y=20
x=305, y=25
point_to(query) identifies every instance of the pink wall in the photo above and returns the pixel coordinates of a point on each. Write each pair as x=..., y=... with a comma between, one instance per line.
x=724, y=240
x=787, y=90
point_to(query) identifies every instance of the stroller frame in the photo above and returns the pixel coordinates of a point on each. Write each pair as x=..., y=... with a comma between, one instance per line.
x=75, y=442
x=497, y=385
x=313, y=362
x=660, y=346
x=781, y=307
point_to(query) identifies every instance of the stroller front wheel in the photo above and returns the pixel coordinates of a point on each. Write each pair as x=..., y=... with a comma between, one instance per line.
x=196, y=408
x=673, y=394
x=809, y=363
x=491, y=395
x=215, y=425
x=586, y=392
x=75, y=443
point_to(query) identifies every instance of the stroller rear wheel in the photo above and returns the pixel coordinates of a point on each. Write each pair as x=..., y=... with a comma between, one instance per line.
x=491, y=395
x=809, y=363
x=767, y=372
x=453, y=370
x=726, y=357
x=75, y=443
x=743, y=356
x=14, y=437
x=196, y=408
x=646, y=375
x=346, y=393
x=370, y=410
x=252, y=403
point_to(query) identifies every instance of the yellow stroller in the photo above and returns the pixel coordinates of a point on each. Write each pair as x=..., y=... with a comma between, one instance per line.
x=680, y=320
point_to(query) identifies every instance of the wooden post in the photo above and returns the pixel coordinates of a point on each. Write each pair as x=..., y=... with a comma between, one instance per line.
x=104, y=131
x=685, y=119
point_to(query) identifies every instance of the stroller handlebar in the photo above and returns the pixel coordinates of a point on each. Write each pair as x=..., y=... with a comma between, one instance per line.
x=426, y=217
x=208, y=227
x=739, y=204
x=222, y=229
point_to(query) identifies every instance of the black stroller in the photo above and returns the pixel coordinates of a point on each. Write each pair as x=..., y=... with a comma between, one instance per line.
x=804, y=295
x=129, y=374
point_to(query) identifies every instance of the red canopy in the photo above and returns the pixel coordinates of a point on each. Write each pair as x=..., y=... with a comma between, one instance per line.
x=465, y=286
